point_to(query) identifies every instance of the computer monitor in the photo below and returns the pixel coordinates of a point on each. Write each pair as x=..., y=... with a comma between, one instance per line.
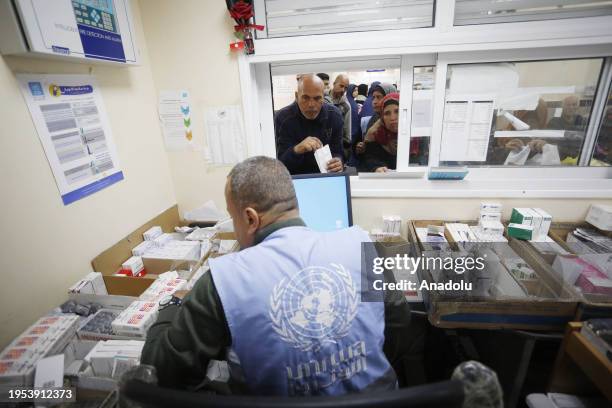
x=324, y=200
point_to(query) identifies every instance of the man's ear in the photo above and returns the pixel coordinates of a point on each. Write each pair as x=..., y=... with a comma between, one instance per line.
x=253, y=220
x=296, y=95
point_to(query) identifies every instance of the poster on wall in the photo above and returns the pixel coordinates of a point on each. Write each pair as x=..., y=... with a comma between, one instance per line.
x=175, y=117
x=72, y=125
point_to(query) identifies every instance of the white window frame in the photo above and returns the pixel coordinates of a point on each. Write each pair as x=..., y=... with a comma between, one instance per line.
x=447, y=44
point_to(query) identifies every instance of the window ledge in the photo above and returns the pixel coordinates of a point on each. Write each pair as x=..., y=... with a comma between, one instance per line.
x=491, y=188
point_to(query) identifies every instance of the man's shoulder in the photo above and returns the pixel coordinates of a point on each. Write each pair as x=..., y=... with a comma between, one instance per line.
x=287, y=112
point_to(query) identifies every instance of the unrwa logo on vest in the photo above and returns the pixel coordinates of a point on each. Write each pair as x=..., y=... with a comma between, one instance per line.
x=314, y=306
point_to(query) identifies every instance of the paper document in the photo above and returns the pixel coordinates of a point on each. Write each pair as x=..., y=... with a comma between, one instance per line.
x=225, y=140
x=175, y=118
x=466, y=129
x=72, y=126
x=323, y=156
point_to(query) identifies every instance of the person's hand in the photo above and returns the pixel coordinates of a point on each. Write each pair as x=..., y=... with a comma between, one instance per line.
x=181, y=294
x=310, y=144
x=335, y=165
x=515, y=145
x=536, y=145
x=381, y=170
x=360, y=148
x=372, y=131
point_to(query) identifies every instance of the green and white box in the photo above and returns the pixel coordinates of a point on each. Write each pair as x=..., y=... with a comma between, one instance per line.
x=520, y=231
x=521, y=216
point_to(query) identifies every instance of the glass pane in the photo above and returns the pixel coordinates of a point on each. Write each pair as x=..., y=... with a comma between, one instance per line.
x=422, y=115
x=602, y=155
x=287, y=18
x=494, y=11
x=521, y=113
x=339, y=117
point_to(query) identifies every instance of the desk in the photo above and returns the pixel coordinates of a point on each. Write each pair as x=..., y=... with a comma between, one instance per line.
x=580, y=366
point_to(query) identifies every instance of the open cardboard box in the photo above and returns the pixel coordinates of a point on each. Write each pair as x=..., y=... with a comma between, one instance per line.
x=590, y=305
x=110, y=260
x=551, y=312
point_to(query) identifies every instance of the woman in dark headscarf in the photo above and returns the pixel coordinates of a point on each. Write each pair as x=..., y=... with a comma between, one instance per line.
x=367, y=109
x=355, y=130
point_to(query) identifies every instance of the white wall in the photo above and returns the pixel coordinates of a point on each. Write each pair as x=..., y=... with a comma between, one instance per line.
x=188, y=43
x=46, y=246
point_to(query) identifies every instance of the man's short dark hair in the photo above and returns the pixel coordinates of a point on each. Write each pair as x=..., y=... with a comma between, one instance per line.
x=323, y=76
x=262, y=183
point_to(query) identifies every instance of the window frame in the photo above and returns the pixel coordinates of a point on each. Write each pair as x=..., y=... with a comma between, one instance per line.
x=443, y=44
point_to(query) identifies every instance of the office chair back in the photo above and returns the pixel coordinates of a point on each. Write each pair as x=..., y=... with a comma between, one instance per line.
x=441, y=394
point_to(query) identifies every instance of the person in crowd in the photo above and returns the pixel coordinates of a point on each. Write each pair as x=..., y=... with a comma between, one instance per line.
x=325, y=78
x=355, y=131
x=569, y=119
x=368, y=109
x=380, y=152
x=378, y=92
x=603, y=148
x=338, y=97
x=307, y=125
x=271, y=306
x=362, y=94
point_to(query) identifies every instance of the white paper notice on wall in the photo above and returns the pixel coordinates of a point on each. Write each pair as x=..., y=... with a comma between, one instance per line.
x=71, y=122
x=175, y=118
x=225, y=139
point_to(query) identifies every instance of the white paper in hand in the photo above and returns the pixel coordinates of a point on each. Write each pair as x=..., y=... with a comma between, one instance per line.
x=323, y=156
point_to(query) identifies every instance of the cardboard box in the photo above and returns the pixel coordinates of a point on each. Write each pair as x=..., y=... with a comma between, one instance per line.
x=152, y=233
x=554, y=306
x=589, y=305
x=521, y=216
x=109, y=261
x=600, y=216
x=545, y=222
x=92, y=283
x=520, y=231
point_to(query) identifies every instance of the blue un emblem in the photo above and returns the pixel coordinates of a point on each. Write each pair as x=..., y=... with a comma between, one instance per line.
x=315, y=305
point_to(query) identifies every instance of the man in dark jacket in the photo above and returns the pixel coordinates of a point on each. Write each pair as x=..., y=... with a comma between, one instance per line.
x=307, y=125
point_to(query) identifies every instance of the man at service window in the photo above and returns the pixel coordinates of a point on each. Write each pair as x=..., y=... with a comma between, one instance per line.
x=307, y=125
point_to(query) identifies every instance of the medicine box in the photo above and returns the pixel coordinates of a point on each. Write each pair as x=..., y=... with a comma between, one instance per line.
x=152, y=233
x=600, y=216
x=520, y=231
x=490, y=207
x=521, y=216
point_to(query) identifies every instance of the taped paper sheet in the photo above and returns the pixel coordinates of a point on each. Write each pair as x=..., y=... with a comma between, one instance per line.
x=175, y=117
x=225, y=139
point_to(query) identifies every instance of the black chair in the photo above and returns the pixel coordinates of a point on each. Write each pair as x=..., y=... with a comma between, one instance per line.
x=441, y=394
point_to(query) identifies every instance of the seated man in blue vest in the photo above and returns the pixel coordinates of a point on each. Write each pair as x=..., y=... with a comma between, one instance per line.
x=287, y=306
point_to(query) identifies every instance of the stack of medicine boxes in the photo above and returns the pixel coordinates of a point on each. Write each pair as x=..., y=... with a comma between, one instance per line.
x=529, y=224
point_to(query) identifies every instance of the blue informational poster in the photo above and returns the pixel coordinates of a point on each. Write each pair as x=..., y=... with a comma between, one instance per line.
x=73, y=128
